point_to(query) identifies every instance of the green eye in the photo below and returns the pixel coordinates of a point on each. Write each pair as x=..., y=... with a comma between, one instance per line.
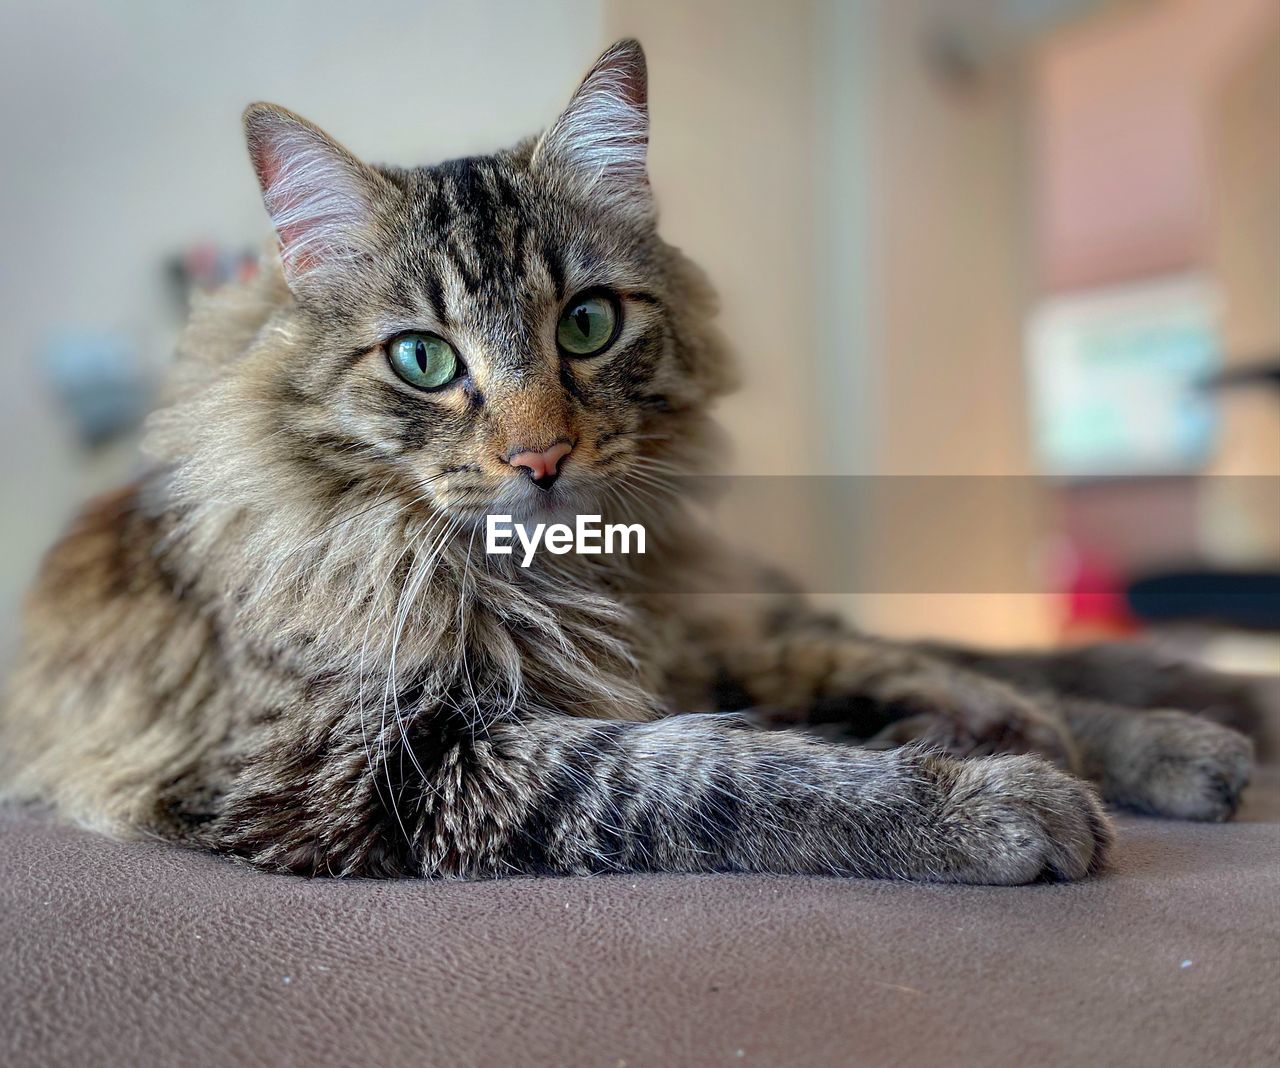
x=589, y=325
x=423, y=360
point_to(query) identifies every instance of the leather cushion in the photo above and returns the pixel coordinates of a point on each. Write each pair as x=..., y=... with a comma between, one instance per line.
x=145, y=954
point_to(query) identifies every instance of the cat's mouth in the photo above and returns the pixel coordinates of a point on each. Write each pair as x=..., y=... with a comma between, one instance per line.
x=520, y=500
x=558, y=503
x=581, y=490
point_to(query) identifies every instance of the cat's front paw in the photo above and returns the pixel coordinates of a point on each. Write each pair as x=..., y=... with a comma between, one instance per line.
x=1181, y=766
x=1014, y=819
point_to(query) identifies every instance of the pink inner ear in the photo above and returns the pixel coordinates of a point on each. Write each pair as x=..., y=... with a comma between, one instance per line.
x=633, y=81
x=633, y=84
x=265, y=162
x=269, y=165
x=284, y=204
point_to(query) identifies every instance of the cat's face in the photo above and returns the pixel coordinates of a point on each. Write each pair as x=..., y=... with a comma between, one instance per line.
x=505, y=333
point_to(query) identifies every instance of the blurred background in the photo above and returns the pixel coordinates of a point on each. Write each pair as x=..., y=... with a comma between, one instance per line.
x=1035, y=241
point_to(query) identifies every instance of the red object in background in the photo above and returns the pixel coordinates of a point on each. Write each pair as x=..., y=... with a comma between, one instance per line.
x=1096, y=602
x=1112, y=530
x=1091, y=592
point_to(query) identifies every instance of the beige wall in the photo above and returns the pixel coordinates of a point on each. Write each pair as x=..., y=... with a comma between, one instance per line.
x=731, y=159
x=777, y=129
x=1244, y=242
x=1244, y=254
x=950, y=265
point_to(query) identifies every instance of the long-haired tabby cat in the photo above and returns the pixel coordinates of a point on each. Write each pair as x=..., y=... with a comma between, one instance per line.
x=288, y=645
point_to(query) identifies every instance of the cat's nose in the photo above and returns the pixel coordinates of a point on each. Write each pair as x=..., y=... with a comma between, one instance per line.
x=542, y=466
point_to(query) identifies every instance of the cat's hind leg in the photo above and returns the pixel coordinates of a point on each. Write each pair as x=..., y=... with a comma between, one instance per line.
x=1162, y=762
x=1132, y=675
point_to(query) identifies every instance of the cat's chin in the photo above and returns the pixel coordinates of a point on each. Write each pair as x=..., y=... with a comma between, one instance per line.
x=556, y=505
x=559, y=504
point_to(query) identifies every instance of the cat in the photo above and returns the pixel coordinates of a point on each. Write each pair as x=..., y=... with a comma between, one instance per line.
x=285, y=643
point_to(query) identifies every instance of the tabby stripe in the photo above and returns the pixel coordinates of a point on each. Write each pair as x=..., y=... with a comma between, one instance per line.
x=346, y=362
x=554, y=268
x=569, y=383
x=435, y=295
x=472, y=281
x=633, y=365
x=439, y=213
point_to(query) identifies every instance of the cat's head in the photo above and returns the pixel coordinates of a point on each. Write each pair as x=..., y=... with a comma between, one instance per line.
x=505, y=332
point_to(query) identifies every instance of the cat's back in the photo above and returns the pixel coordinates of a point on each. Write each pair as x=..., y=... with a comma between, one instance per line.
x=109, y=592
x=94, y=583
x=106, y=638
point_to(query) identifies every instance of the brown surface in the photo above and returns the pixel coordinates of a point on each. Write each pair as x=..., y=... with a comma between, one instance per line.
x=143, y=954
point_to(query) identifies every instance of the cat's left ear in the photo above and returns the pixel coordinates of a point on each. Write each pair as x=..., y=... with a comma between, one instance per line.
x=601, y=139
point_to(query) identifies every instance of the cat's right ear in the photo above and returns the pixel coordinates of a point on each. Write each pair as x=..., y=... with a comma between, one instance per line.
x=322, y=200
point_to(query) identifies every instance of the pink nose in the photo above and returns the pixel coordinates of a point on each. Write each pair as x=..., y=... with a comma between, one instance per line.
x=544, y=466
